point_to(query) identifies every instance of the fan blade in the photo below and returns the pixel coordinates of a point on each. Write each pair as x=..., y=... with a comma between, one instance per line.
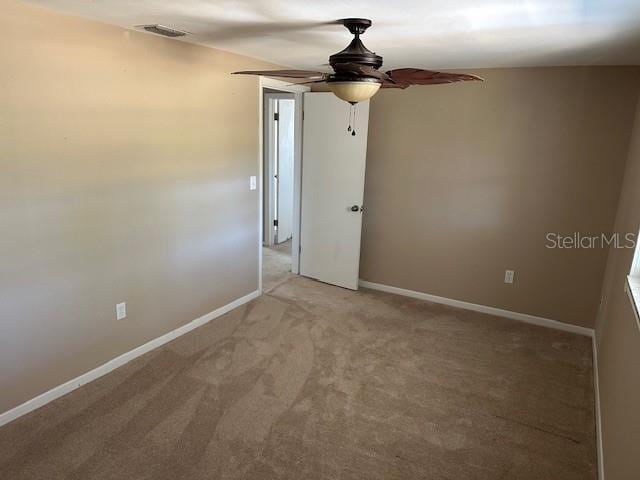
x=222, y=31
x=417, y=76
x=308, y=74
x=364, y=70
x=307, y=83
x=393, y=85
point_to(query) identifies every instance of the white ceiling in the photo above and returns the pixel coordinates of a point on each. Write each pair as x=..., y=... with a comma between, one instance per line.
x=416, y=33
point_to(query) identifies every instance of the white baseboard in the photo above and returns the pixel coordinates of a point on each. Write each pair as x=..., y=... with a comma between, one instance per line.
x=521, y=317
x=596, y=387
x=111, y=365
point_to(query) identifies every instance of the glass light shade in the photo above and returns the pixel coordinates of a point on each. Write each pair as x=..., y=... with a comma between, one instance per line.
x=354, y=92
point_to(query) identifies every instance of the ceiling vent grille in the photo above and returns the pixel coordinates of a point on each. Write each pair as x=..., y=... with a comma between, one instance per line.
x=164, y=31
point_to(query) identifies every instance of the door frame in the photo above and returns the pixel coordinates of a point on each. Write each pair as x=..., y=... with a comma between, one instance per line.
x=298, y=91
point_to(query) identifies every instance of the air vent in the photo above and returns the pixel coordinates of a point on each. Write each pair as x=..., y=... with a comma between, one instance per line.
x=162, y=30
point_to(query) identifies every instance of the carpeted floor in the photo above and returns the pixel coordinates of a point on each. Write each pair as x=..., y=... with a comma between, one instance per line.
x=316, y=382
x=276, y=265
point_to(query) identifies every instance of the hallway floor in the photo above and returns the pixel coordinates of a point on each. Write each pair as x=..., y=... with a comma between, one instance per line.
x=311, y=381
x=276, y=264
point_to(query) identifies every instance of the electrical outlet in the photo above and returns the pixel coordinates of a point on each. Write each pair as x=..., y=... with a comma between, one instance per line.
x=508, y=276
x=121, y=311
x=253, y=184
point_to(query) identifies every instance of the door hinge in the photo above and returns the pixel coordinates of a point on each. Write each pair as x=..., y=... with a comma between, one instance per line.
x=275, y=223
x=276, y=116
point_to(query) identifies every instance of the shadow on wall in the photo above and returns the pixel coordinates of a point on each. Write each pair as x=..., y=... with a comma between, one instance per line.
x=618, y=339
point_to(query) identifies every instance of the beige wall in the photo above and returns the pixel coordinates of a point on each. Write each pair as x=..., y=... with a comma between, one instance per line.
x=618, y=339
x=124, y=161
x=464, y=181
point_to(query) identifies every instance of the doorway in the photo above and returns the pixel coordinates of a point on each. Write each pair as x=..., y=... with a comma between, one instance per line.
x=329, y=219
x=279, y=109
x=281, y=134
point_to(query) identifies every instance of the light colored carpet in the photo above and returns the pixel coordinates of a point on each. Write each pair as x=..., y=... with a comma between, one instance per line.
x=316, y=382
x=276, y=265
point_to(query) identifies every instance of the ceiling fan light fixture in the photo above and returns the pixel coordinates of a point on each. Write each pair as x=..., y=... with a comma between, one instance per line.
x=354, y=91
x=356, y=71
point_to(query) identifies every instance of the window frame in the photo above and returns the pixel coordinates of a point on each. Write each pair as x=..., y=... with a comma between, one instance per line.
x=632, y=285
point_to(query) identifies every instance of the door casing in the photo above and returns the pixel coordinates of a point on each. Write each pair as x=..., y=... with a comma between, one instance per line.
x=298, y=91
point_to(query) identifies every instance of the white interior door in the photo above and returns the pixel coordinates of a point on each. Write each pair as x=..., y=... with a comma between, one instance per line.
x=333, y=166
x=285, y=156
x=269, y=154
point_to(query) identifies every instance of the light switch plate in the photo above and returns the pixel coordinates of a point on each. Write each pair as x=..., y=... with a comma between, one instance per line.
x=121, y=311
x=253, y=182
x=508, y=276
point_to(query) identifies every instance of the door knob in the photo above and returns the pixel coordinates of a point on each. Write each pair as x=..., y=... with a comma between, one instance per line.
x=356, y=208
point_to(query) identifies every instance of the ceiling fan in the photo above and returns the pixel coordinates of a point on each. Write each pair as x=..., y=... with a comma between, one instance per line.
x=356, y=74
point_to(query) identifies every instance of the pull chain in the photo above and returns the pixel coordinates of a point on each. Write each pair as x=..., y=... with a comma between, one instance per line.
x=353, y=133
x=352, y=112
